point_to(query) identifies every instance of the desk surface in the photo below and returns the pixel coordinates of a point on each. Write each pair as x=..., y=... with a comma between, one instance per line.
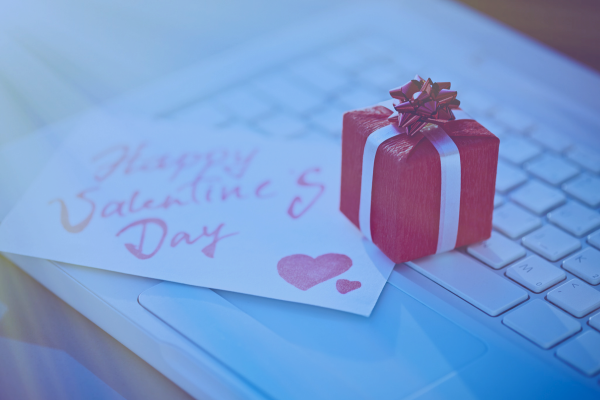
x=49, y=350
x=570, y=26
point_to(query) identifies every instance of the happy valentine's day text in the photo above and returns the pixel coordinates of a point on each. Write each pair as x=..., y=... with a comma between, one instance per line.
x=210, y=177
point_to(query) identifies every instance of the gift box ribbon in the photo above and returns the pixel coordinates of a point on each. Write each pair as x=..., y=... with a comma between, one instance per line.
x=450, y=176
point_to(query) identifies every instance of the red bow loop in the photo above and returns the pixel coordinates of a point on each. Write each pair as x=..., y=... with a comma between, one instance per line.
x=422, y=102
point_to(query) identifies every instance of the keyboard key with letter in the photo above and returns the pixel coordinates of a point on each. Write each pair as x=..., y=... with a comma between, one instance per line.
x=551, y=243
x=575, y=297
x=538, y=197
x=583, y=353
x=575, y=218
x=535, y=274
x=497, y=251
x=542, y=323
x=585, y=264
x=471, y=281
x=513, y=221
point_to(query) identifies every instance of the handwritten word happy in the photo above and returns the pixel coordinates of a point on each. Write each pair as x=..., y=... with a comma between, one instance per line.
x=129, y=160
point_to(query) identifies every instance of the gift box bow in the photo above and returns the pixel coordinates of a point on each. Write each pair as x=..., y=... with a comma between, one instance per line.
x=421, y=102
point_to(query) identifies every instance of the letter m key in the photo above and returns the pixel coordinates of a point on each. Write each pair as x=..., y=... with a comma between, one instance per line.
x=525, y=267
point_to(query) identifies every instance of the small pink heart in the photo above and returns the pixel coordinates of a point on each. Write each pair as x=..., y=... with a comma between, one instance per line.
x=344, y=285
x=305, y=272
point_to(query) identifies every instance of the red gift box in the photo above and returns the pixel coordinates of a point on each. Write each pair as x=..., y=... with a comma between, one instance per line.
x=407, y=184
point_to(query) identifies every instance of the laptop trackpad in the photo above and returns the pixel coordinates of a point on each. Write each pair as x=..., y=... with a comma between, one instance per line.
x=291, y=350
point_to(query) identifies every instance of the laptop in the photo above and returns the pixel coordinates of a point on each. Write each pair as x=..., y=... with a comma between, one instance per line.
x=517, y=316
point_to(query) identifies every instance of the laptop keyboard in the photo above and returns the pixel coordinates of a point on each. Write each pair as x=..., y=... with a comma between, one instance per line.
x=538, y=274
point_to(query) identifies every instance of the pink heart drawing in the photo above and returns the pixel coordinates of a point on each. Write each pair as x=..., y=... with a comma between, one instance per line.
x=344, y=285
x=305, y=272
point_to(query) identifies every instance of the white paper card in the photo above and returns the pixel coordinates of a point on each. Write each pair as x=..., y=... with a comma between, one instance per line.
x=221, y=209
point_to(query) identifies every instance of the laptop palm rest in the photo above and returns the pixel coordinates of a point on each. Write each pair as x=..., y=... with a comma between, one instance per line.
x=289, y=350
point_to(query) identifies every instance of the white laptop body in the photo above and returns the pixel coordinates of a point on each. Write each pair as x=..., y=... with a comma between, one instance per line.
x=422, y=340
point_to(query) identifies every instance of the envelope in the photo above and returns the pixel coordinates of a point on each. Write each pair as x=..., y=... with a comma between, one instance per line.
x=224, y=209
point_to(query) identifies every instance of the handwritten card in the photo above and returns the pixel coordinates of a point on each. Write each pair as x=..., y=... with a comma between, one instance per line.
x=221, y=209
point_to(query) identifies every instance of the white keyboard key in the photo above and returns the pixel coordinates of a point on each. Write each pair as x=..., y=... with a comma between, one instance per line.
x=329, y=120
x=351, y=56
x=480, y=101
x=535, y=274
x=497, y=251
x=359, y=97
x=551, y=243
x=575, y=297
x=575, y=219
x=541, y=323
x=582, y=353
x=202, y=114
x=381, y=76
x=585, y=188
x=320, y=74
x=498, y=200
x=551, y=139
x=286, y=93
x=407, y=63
x=282, y=125
x=515, y=119
x=376, y=45
x=585, y=157
x=508, y=177
x=538, y=197
x=513, y=221
x=551, y=169
x=585, y=264
x=594, y=239
x=518, y=150
x=595, y=322
x=471, y=281
x=244, y=103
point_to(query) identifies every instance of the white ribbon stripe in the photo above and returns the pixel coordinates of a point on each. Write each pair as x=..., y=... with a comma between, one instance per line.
x=450, y=178
x=450, y=190
x=366, y=180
